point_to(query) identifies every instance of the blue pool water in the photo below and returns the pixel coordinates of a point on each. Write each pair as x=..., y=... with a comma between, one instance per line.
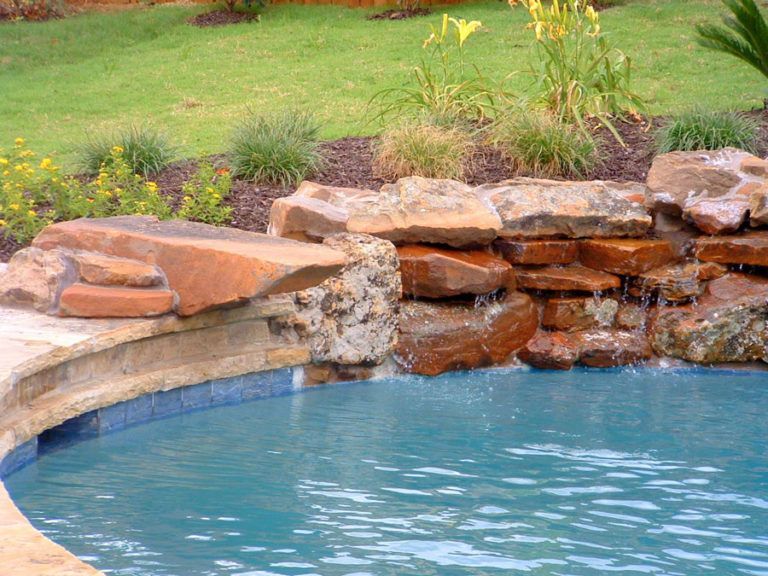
x=495, y=473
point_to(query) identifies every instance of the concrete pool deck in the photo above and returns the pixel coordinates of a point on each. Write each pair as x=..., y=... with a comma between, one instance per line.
x=55, y=369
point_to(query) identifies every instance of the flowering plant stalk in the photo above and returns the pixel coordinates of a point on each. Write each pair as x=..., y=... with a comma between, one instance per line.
x=578, y=74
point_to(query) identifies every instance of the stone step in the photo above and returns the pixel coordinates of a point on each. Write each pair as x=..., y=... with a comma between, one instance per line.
x=625, y=256
x=565, y=279
x=750, y=248
x=538, y=251
x=88, y=301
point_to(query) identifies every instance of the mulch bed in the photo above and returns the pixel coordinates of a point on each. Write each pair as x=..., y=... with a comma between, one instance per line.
x=394, y=14
x=222, y=18
x=349, y=164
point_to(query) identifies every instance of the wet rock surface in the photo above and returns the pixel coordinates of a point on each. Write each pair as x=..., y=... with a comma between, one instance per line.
x=439, y=336
x=626, y=256
x=677, y=282
x=431, y=272
x=565, y=279
x=571, y=314
x=351, y=318
x=750, y=248
x=728, y=323
x=550, y=351
x=538, y=251
x=607, y=348
x=532, y=208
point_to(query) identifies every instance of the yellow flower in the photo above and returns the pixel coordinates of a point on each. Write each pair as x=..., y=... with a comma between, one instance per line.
x=217, y=196
x=152, y=186
x=32, y=213
x=465, y=29
x=26, y=153
x=6, y=173
x=117, y=149
x=2, y=223
x=19, y=142
x=18, y=168
x=3, y=161
x=46, y=163
x=13, y=207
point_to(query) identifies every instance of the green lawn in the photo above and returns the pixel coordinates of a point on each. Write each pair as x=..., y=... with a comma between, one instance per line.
x=96, y=71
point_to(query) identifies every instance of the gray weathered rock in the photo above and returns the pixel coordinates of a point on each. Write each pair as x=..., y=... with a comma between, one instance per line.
x=35, y=278
x=351, y=318
x=531, y=208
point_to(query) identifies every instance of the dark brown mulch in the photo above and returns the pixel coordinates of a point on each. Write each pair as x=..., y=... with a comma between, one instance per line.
x=7, y=248
x=222, y=18
x=394, y=14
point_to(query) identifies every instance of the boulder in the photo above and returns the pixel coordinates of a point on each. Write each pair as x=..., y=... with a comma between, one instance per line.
x=679, y=177
x=550, y=351
x=607, y=348
x=717, y=215
x=758, y=207
x=208, y=267
x=678, y=232
x=538, y=251
x=35, y=278
x=728, y=323
x=351, y=318
x=432, y=272
x=754, y=166
x=625, y=256
x=676, y=282
x=87, y=301
x=111, y=271
x=568, y=278
x=423, y=210
x=531, y=208
x=750, y=248
x=438, y=336
x=571, y=314
x=631, y=316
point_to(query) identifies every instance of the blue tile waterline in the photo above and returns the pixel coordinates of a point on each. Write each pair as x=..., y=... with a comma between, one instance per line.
x=498, y=472
x=162, y=404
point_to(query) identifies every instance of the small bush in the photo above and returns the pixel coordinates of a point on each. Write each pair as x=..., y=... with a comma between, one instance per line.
x=276, y=149
x=204, y=195
x=541, y=144
x=32, y=10
x=702, y=130
x=146, y=151
x=422, y=150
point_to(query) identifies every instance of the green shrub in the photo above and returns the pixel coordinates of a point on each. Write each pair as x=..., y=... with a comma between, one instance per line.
x=744, y=36
x=701, y=130
x=277, y=149
x=577, y=73
x=443, y=85
x=146, y=151
x=539, y=143
x=421, y=149
x=204, y=195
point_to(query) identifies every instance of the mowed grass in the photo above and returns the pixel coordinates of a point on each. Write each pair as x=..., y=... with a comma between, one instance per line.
x=98, y=71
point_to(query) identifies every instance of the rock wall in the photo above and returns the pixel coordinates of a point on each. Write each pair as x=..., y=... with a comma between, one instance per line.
x=558, y=273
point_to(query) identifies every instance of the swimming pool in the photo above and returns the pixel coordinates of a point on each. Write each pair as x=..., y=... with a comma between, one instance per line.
x=498, y=472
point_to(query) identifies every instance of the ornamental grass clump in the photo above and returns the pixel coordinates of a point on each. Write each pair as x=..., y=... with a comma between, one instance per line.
x=279, y=148
x=422, y=149
x=444, y=85
x=577, y=74
x=539, y=143
x=146, y=151
x=703, y=130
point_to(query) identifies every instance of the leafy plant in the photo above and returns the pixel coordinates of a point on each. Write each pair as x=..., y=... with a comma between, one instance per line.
x=33, y=10
x=701, y=130
x=146, y=151
x=443, y=85
x=422, y=149
x=744, y=34
x=577, y=73
x=281, y=148
x=204, y=196
x=543, y=145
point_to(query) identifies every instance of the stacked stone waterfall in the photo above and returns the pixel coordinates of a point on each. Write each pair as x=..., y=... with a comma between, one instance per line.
x=558, y=273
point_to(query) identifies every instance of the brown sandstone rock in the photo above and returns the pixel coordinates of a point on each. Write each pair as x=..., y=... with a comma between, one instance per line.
x=677, y=177
x=423, y=210
x=575, y=278
x=750, y=248
x=538, y=251
x=631, y=316
x=717, y=215
x=531, y=208
x=755, y=166
x=112, y=271
x=431, y=272
x=36, y=278
x=625, y=256
x=437, y=336
x=606, y=348
x=758, y=207
x=303, y=218
x=570, y=314
x=677, y=282
x=87, y=301
x=207, y=267
x=729, y=323
x=550, y=351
